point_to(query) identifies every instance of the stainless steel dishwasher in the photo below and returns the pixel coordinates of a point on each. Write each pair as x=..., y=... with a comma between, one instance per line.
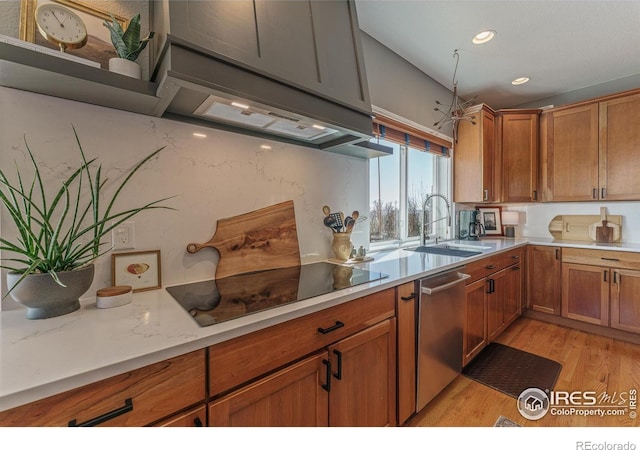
x=440, y=323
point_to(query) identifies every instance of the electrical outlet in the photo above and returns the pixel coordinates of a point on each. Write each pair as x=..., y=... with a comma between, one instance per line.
x=124, y=236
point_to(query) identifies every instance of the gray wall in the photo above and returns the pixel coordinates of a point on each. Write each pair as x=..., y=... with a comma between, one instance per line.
x=610, y=87
x=401, y=88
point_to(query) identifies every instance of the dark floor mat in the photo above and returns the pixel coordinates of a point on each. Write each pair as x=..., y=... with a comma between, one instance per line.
x=511, y=371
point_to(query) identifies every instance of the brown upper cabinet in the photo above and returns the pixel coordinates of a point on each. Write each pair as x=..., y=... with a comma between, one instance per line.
x=517, y=144
x=589, y=150
x=496, y=158
x=475, y=178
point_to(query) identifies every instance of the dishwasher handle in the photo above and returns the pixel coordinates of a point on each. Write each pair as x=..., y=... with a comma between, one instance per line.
x=444, y=287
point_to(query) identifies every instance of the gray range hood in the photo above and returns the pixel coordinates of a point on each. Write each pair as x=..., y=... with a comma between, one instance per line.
x=256, y=83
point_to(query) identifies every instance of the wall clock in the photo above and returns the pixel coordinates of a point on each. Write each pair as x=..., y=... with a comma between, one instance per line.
x=61, y=26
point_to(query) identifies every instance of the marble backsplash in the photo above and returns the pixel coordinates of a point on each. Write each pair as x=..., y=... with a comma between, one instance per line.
x=212, y=177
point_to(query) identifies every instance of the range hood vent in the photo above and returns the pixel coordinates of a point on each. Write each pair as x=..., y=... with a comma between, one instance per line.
x=295, y=68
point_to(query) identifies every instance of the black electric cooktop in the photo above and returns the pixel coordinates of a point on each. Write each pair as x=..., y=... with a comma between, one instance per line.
x=215, y=301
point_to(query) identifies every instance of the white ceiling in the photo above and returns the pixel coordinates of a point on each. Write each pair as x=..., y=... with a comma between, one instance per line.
x=561, y=45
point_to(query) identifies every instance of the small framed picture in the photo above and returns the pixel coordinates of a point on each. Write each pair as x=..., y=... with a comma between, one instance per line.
x=491, y=219
x=140, y=270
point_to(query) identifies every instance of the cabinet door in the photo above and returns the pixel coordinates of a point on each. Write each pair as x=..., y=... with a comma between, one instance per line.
x=363, y=385
x=475, y=177
x=620, y=148
x=407, y=326
x=571, y=159
x=544, y=281
x=625, y=300
x=475, y=331
x=513, y=294
x=518, y=142
x=293, y=396
x=585, y=293
x=194, y=418
x=495, y=304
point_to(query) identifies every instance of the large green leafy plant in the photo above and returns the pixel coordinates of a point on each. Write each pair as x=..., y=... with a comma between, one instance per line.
x=127, y=43
x=64, y=232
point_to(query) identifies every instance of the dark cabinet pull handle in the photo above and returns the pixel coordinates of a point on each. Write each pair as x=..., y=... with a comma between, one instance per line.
x=491, y=286
x=610, y=259
x=603, y=193
x=410, y=297
x=594, y=193
x=332, y=328
x=491, y=266
x=517, y=267
x=327, y=386
x=557, y=253
x=338, y=374
x=615, y=277
x=605, y=275
x=535, y=195
x=197, y=422
x=515, y=256
x=128, y=406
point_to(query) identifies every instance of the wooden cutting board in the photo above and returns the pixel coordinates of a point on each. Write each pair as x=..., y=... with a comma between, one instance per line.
x=577, y=227
x=259, y=240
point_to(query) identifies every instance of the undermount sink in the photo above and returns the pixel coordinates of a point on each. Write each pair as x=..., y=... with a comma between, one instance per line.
x=447, y=249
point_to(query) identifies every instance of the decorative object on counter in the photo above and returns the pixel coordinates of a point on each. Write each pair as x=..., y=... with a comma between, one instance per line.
x=128, y=46
x=111, y=297
x=360, y=254
x=141, y=270
x=341, y=246
x=509, y=220
x=491, y=220
x=583, y=227
x=46, y=296
x=263, y=239
x=604, y=231
x=97, y=48
x=59, y=233
x=456, y=110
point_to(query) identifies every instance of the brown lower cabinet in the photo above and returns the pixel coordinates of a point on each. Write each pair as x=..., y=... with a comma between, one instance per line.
x=493, y=300
x=196, y=417
x=351, y=383
x=406, y=316
x=136, y=398
x=602, y=288
x=544, y=281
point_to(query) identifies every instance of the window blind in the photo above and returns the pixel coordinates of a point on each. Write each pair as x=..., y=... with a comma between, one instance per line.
x=394, y=131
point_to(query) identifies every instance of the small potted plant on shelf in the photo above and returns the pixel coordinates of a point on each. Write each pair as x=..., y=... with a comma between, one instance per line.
x=128, y=46
x=59, y=234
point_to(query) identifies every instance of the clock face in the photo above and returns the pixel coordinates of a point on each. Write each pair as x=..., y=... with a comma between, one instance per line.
x=61, y=26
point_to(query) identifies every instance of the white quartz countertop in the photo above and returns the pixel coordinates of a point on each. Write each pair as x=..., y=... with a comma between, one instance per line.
x=39, y=358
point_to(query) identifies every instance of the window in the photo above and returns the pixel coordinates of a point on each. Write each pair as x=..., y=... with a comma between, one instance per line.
x=398, y=187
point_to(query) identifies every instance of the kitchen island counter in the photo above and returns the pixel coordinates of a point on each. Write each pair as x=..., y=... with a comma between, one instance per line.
x=40, y=358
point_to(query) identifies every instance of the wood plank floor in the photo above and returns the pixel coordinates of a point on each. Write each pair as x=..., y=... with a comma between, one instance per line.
x=589, y=363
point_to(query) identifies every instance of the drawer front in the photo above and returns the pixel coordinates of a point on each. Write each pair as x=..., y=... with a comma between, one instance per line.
x=607, y=258
x=141, y=397
x=242, y=359
x=492, y=264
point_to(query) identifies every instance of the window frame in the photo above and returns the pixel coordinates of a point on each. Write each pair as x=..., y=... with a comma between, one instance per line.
x=442, y=180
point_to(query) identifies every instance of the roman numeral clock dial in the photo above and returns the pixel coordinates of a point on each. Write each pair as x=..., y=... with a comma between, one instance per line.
x=61, y=26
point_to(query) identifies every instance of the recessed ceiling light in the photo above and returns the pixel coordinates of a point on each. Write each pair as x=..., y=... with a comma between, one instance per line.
x=318, y=127
x=200, y=135
x=265, y=147
x=240, y=105
x=521, y=80
x=483, y=36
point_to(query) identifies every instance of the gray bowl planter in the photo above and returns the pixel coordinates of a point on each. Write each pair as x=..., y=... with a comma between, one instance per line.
x=44, y=298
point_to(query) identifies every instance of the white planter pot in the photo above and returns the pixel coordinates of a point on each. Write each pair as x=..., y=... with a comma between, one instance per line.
x=125, y=67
